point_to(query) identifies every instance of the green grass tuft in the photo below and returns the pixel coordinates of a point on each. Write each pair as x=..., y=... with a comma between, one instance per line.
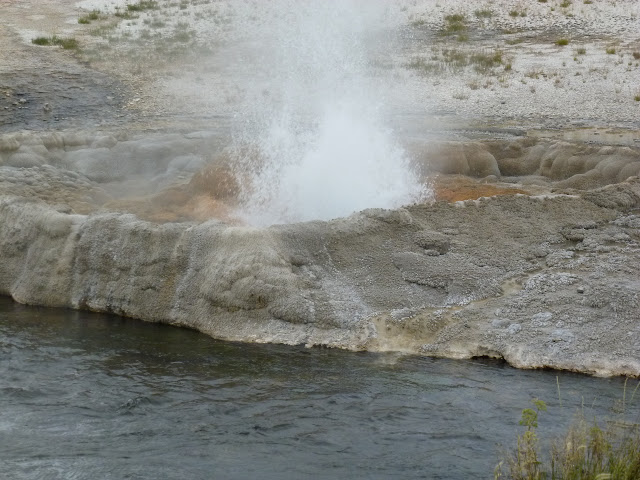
x=41, y=41
x=455, y=24
x=562, y=42
x=485, y=13
x=142, y=5
x=66, y=43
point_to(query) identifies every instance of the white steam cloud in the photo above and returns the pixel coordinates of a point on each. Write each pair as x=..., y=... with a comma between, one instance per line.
x=319, y=146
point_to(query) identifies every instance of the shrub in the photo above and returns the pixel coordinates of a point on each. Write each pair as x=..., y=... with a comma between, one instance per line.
x=562, y=42
x=589, y=450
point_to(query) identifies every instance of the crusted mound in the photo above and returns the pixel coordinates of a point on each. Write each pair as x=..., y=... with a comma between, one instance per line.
x=540, y=280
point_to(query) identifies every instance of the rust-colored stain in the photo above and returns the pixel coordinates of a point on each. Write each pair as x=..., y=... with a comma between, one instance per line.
x=457, y=188
x=213, y=193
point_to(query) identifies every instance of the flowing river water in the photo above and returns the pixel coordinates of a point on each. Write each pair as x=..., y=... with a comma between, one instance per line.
x=90, y=396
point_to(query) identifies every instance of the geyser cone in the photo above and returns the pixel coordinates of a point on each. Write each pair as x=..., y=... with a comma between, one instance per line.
x=324, y=150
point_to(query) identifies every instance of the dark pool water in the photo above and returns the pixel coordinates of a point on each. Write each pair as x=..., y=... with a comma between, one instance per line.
x=88, y=396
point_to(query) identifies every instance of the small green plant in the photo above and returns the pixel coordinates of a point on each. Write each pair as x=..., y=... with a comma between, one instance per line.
x=611, y=50
x=454, y=18
x=126, y=15
x=425, y=67
x=483, y=62
x=526, y=462
x=562, y=42
x=588, y=2
x=637, y=98
x=66, y=43
x=41, y=41
x=514, y=13
x=581, y=51
x=565, y=4
x=142, y=5
x=542, y=1
x=484, y=13
x=88, y=18
x=455, y=24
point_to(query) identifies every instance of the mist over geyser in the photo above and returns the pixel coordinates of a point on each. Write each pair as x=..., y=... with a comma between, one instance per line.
x=314, y=144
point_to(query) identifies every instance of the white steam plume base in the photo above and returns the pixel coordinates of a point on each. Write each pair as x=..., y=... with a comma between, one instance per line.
x=319, y=146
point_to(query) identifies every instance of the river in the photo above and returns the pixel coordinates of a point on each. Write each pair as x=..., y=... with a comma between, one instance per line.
x=91, y=396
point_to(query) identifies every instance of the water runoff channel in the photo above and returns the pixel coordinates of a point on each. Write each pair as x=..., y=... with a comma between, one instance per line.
x=88, y=396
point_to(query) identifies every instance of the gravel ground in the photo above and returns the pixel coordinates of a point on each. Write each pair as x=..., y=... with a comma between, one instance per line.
x=201, y=60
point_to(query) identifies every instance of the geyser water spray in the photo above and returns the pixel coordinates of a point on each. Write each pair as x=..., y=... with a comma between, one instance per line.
x=319, y=148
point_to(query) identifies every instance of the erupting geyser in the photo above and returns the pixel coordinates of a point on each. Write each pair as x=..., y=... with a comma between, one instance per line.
x=319, y=148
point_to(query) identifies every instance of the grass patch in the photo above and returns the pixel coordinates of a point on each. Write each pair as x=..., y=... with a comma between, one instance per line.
x=565, y=4
x=636, y=55
x=66, y=43
x=41, y=41
x=424, y=66
x=90, y=17
x=581, y=51
x=142, y=5
x=590, y=450
x=484, y=13
x=611, y=50
x=458, y=17
x=485, y=61
x=637, y=98
x=562, y=42
x=588, y=2
x=126, y=15
x=482, y=61
x=455, y=24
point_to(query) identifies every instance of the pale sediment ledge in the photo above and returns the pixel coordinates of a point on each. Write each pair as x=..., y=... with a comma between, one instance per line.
x=536, y=263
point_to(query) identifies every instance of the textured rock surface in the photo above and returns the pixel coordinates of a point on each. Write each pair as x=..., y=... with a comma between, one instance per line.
x=542, y=281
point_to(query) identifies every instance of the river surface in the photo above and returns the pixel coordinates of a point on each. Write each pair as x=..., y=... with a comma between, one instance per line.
x=89, y=396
